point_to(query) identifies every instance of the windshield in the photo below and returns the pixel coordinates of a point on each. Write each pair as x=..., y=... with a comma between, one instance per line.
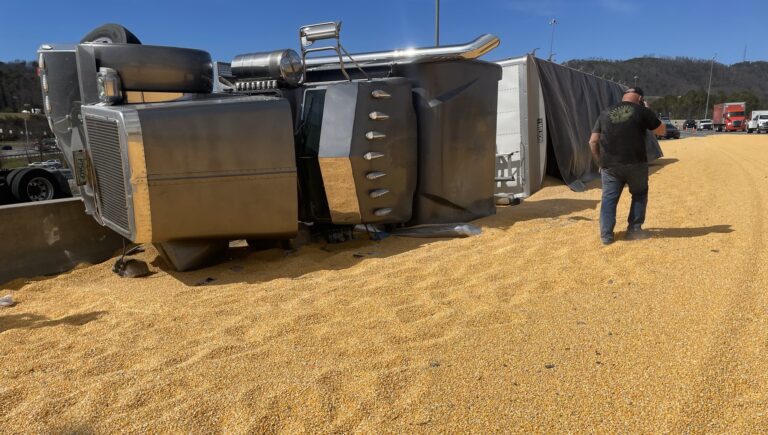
x=706, y=120
x=735, y=114
x=763, y=117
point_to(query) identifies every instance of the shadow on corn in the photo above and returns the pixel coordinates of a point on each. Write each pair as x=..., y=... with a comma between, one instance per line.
x=688, y=232
x=34, y=321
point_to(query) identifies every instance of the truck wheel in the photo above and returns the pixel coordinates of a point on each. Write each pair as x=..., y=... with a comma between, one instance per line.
x=11, y=175
x=163, y=69
x=34, y=184
x=111, y=34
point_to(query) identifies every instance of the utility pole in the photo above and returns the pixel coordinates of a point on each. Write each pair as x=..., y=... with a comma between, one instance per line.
x=553, y=23
x=709, y=87
x=437, y=23
x=26, y=134
x=636, y=78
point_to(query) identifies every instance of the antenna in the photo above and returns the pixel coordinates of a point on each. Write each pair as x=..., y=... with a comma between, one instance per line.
x=744, y=57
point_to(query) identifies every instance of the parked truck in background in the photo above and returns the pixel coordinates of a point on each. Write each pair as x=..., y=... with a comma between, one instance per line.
x=33, y=184
x=729, y=116
x=758, y=121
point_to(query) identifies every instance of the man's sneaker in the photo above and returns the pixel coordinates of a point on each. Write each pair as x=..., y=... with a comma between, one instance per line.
x=637, y=233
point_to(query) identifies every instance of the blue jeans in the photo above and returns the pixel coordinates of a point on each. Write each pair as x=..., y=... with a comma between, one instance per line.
x=614, y=179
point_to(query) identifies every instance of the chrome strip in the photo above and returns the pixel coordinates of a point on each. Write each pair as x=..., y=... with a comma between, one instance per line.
x=142, y=213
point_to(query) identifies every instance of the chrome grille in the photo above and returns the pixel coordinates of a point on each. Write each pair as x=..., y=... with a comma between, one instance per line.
x=104, y=143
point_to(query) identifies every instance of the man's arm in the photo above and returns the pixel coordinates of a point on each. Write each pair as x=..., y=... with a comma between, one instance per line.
x=661, y=130
x=594, y=146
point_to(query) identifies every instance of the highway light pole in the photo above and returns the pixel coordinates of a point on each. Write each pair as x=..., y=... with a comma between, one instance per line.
x=709, y=87
x=553, y=23
x=437, y=23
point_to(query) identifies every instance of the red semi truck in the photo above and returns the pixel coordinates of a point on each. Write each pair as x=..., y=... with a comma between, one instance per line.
x=729, y=116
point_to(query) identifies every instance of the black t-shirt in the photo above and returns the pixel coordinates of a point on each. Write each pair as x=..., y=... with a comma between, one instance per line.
x=622, y=131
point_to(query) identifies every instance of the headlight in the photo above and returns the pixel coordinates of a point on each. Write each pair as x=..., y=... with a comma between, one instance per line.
x=110, y=88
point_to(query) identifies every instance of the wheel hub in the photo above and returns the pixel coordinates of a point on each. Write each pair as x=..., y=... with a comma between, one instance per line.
x=39, y=189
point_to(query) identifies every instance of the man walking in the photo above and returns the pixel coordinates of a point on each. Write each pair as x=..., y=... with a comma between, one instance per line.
x=618, y=145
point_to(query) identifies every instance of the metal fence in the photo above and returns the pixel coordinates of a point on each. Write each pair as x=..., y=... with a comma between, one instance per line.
x=10, y=160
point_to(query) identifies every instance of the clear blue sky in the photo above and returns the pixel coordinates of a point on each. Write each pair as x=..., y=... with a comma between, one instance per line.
x=614, y=29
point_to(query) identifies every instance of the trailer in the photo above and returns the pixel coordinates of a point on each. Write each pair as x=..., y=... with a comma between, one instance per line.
x=521, y=131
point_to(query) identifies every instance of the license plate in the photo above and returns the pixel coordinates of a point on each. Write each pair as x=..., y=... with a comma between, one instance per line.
x=80, y=167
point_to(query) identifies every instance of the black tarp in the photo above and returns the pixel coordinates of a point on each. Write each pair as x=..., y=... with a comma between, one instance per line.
x=573, y=100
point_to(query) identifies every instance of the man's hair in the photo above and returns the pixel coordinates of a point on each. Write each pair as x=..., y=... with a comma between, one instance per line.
x=635, y=90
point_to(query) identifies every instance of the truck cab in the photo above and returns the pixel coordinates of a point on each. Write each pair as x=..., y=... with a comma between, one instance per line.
x=758, y=121
x=166, y=149
x=729, y=116
x=734, y=121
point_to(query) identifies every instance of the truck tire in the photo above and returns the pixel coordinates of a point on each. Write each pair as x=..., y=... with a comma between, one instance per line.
x=111, y=33
x=163, y=69
x=35, y=184
x=12, y=175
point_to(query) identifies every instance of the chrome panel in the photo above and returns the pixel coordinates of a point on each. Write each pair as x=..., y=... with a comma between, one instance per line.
x=339, y=183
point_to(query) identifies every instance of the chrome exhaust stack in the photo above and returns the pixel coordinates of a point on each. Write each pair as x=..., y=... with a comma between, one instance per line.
x=471, y=50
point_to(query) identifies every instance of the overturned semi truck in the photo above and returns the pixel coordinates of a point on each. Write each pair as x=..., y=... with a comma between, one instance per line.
x=173, y=149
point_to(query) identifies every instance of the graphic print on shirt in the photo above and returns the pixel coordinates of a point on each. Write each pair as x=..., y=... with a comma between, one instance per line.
x=621, y=114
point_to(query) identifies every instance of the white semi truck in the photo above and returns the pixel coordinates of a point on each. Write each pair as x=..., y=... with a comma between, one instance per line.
x=758, y=121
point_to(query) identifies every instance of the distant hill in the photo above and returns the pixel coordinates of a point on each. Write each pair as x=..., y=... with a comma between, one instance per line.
x=19, y=86
x=680, y=84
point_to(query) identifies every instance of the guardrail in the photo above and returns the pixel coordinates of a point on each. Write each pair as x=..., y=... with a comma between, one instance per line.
x=50, y=237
